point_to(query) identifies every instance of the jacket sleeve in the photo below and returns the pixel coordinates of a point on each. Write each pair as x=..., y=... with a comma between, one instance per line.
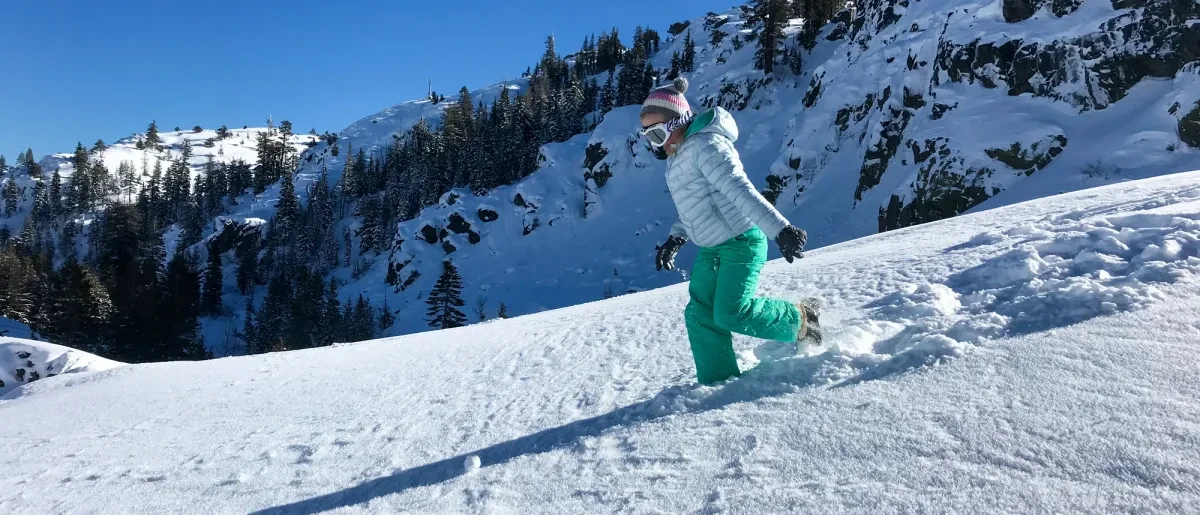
x=679, y=230
x=722, y=167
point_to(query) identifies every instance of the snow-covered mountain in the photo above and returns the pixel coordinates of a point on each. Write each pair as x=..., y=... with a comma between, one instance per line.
x=1028, y=359
x=237, y=145
x=904, y=112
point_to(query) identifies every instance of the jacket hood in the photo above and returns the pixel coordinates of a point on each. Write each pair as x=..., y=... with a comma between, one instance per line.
x=717, y=121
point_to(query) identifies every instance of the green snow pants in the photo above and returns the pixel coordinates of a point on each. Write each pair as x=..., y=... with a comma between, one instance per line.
x=724, y=281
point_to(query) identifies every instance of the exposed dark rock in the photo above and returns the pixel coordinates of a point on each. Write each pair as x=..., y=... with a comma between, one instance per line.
x=1032, y=159
x=600, y=177
x=775, y=186
x=814, y=91
x=412, y=278
x=597, y=174
x=594, y=154
x=841, y=26
x=448, y=247
x=678, y=27
x=913, y=100
x=519, y=200
x=714, y=20
x=1152, y=39
x=940, y=110
x=428, y=234
x=939, y=192
x=1189, y=127
x=473, y=238
x=1018, y=10
x=458, y=224
x=531, y=226
x=734, y=96
x=877, y=157
x=487, y=215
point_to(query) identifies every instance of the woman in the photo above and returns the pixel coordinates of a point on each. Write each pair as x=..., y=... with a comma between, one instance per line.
x=722, y=212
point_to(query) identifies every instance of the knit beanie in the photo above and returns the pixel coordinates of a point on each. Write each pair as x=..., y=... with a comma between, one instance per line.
x=668, y=100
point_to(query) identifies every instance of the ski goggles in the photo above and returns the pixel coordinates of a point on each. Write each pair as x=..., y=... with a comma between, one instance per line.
x=659, y=133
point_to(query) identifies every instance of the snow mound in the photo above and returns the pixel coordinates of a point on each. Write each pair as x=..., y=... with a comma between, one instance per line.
x=25, y=361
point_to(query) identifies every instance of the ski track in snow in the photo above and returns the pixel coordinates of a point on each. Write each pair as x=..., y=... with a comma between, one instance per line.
x=1026, y=359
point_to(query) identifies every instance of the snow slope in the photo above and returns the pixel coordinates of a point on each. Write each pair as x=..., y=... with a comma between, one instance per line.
x=1028, y=359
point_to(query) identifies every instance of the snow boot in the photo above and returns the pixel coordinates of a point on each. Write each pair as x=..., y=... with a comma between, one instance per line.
x=810, y=329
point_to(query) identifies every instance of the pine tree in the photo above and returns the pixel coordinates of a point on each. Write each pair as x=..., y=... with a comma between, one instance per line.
x=214, y=279
x=361, y=321
x=329, y=322
x=248, y=335
x=247, y=269
x=386, y=319
x=688, y=60
x=502, y=311
x=240, y=177
x=676, y=66
x=795, y=58
x=774, y=17
x=178, y=311
x=127, y=180
x=3, y=164
x=176, y=189
x=445, y=298
x=81, y=180
x=608, y=95
x=29, y=164
x=40, y=212
x=481, y=308
x=80, y=308
x=371, y=235
x=287, y=213
x=56, y=194
x=103, y=186
x=152, y=140
x=10, y=197
x=99, y=147
x=276, y=158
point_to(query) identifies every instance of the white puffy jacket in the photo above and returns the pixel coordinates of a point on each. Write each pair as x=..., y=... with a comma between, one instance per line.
x=715, y=199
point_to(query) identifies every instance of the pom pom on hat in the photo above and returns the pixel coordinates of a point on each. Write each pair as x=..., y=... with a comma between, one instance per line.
x=681, y=85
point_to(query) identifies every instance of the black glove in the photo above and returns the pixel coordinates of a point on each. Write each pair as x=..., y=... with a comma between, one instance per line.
x=666, y=252
x=791, y=242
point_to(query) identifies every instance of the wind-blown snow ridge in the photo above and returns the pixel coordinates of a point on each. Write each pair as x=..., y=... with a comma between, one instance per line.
x=1032, y=358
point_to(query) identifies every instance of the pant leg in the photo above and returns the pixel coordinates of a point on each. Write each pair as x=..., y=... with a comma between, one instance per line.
x=735, y=307
x=712, y=346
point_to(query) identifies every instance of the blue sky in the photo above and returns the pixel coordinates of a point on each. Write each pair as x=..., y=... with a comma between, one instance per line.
x=78, y=70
